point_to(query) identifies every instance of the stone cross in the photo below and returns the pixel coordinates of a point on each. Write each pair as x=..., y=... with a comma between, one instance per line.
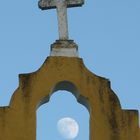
x=61, y=6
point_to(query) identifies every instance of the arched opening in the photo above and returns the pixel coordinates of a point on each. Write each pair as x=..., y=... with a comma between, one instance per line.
x=62, y=104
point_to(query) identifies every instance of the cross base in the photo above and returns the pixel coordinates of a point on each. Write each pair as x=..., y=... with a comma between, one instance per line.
x=64, y=48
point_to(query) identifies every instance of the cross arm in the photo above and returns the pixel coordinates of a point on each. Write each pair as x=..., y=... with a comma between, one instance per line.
x=75, y=3
x=47, y=4
x=51, y=4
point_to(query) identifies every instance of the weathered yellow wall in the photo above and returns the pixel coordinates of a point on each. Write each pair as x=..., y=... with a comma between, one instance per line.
x=107, y=120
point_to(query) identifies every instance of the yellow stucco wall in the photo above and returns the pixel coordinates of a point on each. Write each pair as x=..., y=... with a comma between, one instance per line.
x=107, y=120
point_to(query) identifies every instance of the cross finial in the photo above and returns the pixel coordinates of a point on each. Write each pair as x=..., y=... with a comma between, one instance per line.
x=61, y=6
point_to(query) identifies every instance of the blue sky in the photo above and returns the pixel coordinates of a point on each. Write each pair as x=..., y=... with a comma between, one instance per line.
x=107, y=32
x=62, y=104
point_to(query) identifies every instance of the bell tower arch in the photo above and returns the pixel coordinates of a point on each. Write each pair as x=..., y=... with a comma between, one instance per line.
x=108, y=120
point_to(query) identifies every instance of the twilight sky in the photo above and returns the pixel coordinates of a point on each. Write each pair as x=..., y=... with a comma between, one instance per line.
x=106, y=31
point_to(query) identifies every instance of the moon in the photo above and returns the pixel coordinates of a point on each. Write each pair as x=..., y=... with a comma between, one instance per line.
x=68, y=128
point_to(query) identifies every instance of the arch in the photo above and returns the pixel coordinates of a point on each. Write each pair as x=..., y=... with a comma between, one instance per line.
x=70, y=87
x=55, y=112
x=64, y=73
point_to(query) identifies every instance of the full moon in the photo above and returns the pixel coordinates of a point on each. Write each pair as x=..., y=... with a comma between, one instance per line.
x=68, y=128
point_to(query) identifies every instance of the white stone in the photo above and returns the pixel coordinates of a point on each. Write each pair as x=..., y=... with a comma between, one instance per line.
x=68, y=52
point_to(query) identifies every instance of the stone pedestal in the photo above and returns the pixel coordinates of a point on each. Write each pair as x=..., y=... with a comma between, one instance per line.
x=64, y=48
